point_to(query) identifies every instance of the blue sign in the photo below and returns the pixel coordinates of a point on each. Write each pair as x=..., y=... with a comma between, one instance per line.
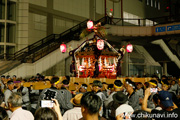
x=173, y=27
x=161, y=29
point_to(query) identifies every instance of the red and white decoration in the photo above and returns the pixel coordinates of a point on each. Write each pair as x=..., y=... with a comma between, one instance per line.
x=129, y=48
x=90, y=24
x=63, y=48
x=100, y=44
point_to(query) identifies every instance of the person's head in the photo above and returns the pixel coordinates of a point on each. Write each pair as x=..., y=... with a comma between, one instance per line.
x=156, y=99
x=76, y=101
x=67, y=78
x=90, y=104
x=14, y=77
x=125, y=110
x=118, y=86
x=139, y=85
x=10, y=85
x=17, y=84
x=3, y=78
x=120, y=97
x=65, y=83
x=152, y=84
x=130, y=86
x=173, y=82
x=105, y=85
x=83, y=88
x=165, y=85
x=8, y=78
x=165, y=99
x=111, y=87
x=97, y=85
x=45, y=114
x=55, y=82
x=3, y=114
x=15, y=101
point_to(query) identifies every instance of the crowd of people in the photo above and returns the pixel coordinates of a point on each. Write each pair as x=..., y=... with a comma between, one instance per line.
x=122, y=100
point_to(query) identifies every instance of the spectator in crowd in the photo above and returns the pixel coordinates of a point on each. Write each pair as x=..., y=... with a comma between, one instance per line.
x=8, y=92
x=34, y=95
x=152, y=85
x=139, y=90
x=105, y=89
x=15, y=105
x=45, y=114
x=14, y=78
x=97, y=87
x=3, y=114
x=3, y=82
x=166, y=103
x=74, y=113
x=118, y=86
x=156, y=101
x=24, y=91
x=119, y=98
x=166, y=87
x=8, y=78
x=132, y=95
x=2, y=103
x=174, y=87
x=48, y=113
x=124, y=111
x=83, y=88
x=90, y=106
x=54, y=93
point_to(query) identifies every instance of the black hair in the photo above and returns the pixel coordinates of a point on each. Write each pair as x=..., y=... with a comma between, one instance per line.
x=65, y=82
x=45, y=114
x=97, y=83
x=110, y=86
x=76, y=83
x=91, y=102
x=54, y=79
x=118, y=83
x=156, y=98
x=104, y=83
x=10, y=82
x=84, y=85
x=3, y=114
x=68, y=78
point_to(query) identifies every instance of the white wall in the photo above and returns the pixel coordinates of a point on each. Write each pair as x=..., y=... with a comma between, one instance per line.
x=76, y=7
x=22, y=26
x=42, y=3
x=61, y=24
x=37, y=27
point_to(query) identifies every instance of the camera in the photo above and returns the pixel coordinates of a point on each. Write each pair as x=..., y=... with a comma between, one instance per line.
x=153, y=90
x=47, y=103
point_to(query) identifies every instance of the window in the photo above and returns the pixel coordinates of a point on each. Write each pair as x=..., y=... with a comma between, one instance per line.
x=140, y=0
x=147, y=2
x=155, y=4
x=159, y=6
x=151, y=3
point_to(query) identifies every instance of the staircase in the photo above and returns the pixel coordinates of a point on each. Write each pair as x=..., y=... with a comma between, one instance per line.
x=43, y=47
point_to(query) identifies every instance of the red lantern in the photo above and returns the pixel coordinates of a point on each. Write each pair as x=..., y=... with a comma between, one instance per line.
x=129, y=48
x=63, y=48
x=90, y=24
x=100, y=44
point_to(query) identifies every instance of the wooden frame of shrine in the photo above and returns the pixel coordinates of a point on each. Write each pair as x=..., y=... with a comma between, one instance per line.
x=96, y=58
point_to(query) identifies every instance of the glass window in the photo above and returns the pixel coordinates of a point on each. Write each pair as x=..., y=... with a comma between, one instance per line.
x=147, y=2
x=159, y=6
x=11, y=10
x=151, y=3
x=11, y=28
x=2, y=9
x=155, y=4
x=1, y=32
